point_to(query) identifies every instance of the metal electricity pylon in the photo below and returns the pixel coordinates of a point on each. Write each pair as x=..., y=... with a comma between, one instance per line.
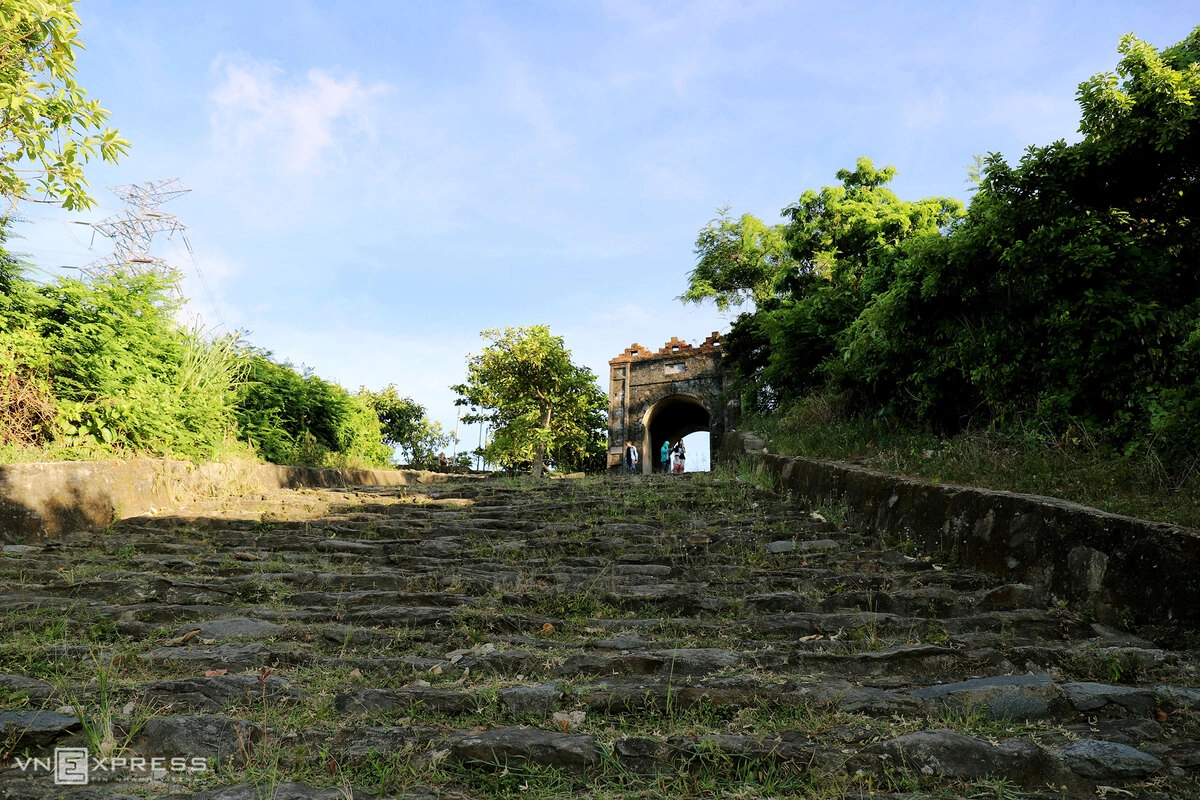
x=133, y=229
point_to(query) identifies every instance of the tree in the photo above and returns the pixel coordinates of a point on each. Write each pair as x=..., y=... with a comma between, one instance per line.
x=1070, y=292
x=737, y=261
x=406, y=426
x=811, y=276
x=46, y=119
x=524, y=385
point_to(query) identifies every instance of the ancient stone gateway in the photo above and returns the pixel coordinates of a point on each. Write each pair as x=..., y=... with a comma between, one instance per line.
x=663, y=396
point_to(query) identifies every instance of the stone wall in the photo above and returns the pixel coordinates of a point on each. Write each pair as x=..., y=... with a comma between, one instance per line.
x=48, y=499
x=1129, y=572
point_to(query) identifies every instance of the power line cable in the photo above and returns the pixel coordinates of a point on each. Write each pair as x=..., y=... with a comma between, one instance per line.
x=212, y=300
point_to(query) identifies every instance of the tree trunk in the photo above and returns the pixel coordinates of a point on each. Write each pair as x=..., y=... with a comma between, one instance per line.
x=539, y=453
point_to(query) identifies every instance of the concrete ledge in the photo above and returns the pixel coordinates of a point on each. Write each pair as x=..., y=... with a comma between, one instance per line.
x=48, y=499
x=1130, y=572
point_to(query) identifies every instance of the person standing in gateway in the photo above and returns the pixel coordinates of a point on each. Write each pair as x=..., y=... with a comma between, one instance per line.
x=679, y=457
x=664, y=457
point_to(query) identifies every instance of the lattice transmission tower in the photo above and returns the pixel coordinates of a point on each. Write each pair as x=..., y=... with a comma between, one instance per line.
x=132, y=231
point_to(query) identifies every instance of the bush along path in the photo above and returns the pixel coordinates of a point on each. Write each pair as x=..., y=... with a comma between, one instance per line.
x=612, y=637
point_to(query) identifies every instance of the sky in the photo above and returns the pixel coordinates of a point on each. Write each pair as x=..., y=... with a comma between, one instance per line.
x=376, y=182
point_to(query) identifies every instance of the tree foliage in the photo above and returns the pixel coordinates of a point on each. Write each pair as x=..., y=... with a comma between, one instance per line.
x=1069, y=293
x=537, y=402
x=738, y=261
x=1071, y=290
x=839, y=249
x=293, y=416
x=48, y=126
x=407, y=427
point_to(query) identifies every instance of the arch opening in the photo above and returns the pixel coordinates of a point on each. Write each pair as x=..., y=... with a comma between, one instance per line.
x=670, y=420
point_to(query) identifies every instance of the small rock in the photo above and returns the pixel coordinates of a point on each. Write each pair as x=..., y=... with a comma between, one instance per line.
x=567, y=720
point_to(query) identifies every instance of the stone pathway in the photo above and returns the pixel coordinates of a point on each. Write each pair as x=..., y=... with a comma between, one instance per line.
x=606, y=637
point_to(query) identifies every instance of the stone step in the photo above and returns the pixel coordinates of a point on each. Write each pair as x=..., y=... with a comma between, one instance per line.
x=618, y=634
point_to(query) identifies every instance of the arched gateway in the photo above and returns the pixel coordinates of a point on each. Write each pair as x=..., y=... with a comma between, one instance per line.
x=663, y=396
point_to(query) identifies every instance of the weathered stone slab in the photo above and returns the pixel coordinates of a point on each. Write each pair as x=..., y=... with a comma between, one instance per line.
x=215, y=738
x=537, y=700
x=34, y=688
x=1100, y=760
x=1100, y=698
x=233, y=628
x=232, y=657
x=954, y=755
x=218, y=692
x=854, y=699
x=371, y=701
x=34, y=729
x=503, y=746
x=1005, y=697
x=402, y=616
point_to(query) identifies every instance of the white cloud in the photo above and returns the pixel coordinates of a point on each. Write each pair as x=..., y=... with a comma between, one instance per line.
x=299, y=127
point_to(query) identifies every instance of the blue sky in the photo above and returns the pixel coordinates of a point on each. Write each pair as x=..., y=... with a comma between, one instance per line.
x=374, y=183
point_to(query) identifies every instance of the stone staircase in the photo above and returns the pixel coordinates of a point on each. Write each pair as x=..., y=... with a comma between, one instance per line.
x=612, y=637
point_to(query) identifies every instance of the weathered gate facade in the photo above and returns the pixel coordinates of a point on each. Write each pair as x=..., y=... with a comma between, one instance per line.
x=663, y=395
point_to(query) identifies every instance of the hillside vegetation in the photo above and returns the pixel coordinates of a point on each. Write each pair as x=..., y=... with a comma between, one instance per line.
x=1053, y=321
x=100, y=366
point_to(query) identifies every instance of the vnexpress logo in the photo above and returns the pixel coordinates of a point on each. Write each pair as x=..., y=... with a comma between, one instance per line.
x=71, y=766
x=74, y=766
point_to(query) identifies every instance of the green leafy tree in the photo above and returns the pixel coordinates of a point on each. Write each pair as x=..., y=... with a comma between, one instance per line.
x=814, y=274
x=48, y=126
x=1071, y=291
x=738, y=261
x=406, y=426
x=537, y=402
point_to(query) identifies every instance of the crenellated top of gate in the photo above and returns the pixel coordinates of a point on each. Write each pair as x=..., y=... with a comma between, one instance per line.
x=675, y=348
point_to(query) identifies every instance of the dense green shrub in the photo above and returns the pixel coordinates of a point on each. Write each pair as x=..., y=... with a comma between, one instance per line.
x=1070, y=292
x=295, y=417
x=100, y=366
x=127, y=375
